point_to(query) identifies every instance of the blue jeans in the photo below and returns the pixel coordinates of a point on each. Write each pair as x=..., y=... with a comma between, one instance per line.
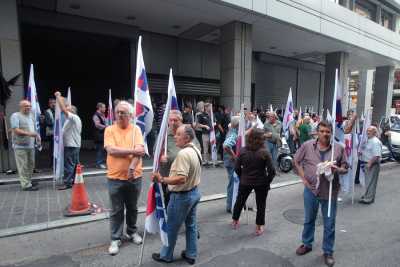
x=229, y=188
x=71, y=159
x=123, y=194
x=182, y=209
x=311, y=205
x=273, y=149
x=100, y=154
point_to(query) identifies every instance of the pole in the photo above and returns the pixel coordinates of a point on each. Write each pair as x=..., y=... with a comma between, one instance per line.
x=140, y=255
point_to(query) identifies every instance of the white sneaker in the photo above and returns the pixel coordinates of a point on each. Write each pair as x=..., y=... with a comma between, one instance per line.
x=135, y=238
x=114, y=247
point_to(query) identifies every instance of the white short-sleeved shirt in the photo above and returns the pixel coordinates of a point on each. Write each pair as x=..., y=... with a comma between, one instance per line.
x=72, y=130
x=373, y=148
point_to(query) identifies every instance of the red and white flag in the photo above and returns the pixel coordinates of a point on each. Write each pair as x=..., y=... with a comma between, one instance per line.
x=143, y=109
x=156, y=216
x=31, y=96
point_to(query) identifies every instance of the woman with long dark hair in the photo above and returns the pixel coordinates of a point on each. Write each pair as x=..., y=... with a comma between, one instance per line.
x=256, y=171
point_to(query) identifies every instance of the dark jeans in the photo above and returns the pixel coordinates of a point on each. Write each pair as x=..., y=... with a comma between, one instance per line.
x=199, y=136
x=71, y=159
x=123, y=194
x=261, y=198
x=100, y=153
x=311, y=206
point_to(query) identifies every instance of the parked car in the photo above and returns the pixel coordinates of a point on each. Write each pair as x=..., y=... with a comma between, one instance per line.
x=394, y=129
x=385, y=153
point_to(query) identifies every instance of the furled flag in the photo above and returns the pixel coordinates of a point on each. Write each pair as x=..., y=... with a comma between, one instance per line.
x=31, y=96
x=362, y=144
x=69, y=97
x=337, y=118
x=288, y=116
x=58, y=152
x=143, y=109
x=213, y=139
x=156, y=217
x=110, y=112
x=240, y=142
x=328, y=116
x=270, y=108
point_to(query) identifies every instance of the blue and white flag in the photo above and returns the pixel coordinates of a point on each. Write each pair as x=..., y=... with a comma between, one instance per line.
x=58, y=152
x=288, y=116
x=156, y=216
x=143, y=109
x=69, y=97
x=213, y=139
x=31, y=96
x=240, y=142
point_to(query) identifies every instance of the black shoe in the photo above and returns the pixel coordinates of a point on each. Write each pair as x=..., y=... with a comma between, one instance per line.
x=198, y=234
x=34, y=183
x=32, y=188
x=156, y=257
x=188, y=260
x=36, y=171
x=63, y=187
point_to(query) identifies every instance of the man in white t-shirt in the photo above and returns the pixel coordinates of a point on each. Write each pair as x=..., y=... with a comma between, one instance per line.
x=370, y=159
x=72, y=130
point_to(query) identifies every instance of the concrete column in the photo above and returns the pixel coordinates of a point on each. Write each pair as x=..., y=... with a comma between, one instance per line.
x=364, y=93
x=236, y=61
x=383, y=92
x=10, y=65
x=333, y=61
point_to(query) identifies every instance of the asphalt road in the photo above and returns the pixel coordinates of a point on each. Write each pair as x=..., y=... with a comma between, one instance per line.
x=365, y=236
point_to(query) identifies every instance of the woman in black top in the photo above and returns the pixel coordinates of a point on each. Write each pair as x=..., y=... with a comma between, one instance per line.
x=255, y=170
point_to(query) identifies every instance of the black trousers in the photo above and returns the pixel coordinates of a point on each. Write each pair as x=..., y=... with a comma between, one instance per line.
x=261, y=199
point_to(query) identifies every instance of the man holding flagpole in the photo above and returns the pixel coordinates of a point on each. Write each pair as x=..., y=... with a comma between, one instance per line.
x=308, y=160
x=183, y=181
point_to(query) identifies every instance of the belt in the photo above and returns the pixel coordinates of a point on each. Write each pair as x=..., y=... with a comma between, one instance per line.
x=183, y=192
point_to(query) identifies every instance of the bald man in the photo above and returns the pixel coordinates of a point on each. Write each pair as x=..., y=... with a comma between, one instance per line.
x=370, y=161
x=23, y=140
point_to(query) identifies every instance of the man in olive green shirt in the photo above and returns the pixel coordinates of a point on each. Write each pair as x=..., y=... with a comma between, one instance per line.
x=305, y=130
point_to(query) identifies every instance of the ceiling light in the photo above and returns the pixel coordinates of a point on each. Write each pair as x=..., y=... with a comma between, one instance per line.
x=75, y=6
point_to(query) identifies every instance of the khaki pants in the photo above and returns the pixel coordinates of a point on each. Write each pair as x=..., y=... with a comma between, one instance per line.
x=25, y=159
x=206, y=144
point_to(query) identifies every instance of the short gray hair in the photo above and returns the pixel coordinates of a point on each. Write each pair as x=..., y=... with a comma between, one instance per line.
x=126, y=104
x=176, y=113
x=74, y=109
x=235, y=121
x=189, y=132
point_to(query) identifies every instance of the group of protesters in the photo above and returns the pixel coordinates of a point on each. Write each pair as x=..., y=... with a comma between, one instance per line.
x=120, y=148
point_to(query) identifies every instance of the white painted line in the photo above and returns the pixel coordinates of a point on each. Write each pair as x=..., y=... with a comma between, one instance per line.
x=102, y=216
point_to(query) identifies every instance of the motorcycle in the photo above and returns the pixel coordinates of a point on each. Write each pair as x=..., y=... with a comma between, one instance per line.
x=285, y=158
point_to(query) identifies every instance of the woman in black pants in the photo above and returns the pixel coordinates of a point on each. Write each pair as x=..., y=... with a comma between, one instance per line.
x=255, y=170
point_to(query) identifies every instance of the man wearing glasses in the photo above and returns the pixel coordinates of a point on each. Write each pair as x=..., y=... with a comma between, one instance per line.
x=23, y=139
x=123, y=142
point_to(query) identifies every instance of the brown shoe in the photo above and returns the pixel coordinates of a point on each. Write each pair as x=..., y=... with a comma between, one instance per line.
x=329, y=260
x=302, y=250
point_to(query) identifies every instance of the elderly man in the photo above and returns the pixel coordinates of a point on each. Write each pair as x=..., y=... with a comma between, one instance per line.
x=316, y=188
x=272, y=128
x=23, y=140
x=123, y=142
x=370, y=161
x=182, y=182
x=229, y=159
x=99, y=121
x=174, y=122
x=72, y=130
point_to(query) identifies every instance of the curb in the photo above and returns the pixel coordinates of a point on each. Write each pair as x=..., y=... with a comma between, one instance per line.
x=103, y=216
x=50, y=177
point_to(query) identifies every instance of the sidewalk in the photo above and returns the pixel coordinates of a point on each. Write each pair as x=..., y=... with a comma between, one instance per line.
x=26, y=211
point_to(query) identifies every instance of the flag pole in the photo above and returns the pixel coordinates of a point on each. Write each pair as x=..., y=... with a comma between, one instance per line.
x=140, y=255
x=333, y=141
